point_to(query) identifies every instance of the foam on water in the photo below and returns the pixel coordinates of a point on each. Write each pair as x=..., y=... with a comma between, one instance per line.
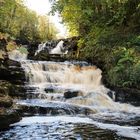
x=127, y=131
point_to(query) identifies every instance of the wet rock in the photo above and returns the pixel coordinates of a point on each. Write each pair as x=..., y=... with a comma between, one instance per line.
x=49, y=90
x=42, y=55
x=90, y=132
x=72, y=94
x=32, y=47
x=10, y=62
x=7, y=117
x=51, y=108
x=11, y=71
x=7, y=88
x=111, y=94
x=127, y=95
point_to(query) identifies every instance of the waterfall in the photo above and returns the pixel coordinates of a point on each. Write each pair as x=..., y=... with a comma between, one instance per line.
x=62, y=73
x=66, y=76
x=41, y=47
x=57, y=49
x=47, y=85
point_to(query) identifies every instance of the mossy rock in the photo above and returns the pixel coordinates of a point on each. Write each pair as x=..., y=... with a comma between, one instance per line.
x=6, y=101
x=5, y=87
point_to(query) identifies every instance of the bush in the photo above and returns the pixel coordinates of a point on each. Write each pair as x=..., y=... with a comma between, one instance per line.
x=125, y=72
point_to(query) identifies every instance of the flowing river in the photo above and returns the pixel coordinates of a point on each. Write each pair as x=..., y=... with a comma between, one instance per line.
x=67, y=101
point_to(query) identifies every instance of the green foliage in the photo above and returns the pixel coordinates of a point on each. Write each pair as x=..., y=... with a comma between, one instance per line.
x=110, y=35
x=126, y=69
x=22, y=23
x=22, y=50
x=11, y=46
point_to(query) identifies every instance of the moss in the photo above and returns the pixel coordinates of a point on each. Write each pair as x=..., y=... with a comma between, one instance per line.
x=6, y=101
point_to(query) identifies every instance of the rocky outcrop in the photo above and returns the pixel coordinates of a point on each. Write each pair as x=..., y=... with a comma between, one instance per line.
x=12, y=78
x=5, y=101
x=32, y=47
x=70, y=44
x=42, y=56
x=11, y=71
x=125, y=95
x=7, y=114
x=12, y=90
x=53, y=109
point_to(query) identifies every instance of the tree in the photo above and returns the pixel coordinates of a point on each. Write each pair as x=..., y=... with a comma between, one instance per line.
x=23, y=23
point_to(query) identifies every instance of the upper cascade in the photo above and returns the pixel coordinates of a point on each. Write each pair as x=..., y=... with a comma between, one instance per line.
x=49, y=46
x=66, y=73
x=59, y=49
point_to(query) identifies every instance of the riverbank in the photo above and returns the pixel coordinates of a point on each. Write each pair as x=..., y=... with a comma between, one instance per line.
x=12, y=78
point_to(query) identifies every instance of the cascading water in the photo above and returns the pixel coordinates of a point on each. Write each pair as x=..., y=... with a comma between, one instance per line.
x=58, y=49
x=67, y=118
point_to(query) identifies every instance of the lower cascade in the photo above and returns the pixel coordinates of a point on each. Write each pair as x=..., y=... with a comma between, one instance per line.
x=67, y=100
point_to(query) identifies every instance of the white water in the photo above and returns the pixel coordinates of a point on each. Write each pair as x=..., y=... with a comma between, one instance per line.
x=40, y=48
x=67, y=76
x=126, y=131
x=59, y=49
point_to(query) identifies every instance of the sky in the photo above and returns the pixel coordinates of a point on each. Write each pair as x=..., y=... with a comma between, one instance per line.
x=42, y=7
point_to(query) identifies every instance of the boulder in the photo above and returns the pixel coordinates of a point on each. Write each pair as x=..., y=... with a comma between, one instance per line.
x=127, y=95
x=71, y=94
x=7, y=117
x=49, y=90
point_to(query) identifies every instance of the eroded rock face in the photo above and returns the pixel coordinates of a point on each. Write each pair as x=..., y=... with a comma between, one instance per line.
x=12, y=78
x=9, y=89
x=7, y=114
x=11, y=70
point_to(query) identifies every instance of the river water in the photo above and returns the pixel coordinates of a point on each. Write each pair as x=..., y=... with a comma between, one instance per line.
x=51, y=113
